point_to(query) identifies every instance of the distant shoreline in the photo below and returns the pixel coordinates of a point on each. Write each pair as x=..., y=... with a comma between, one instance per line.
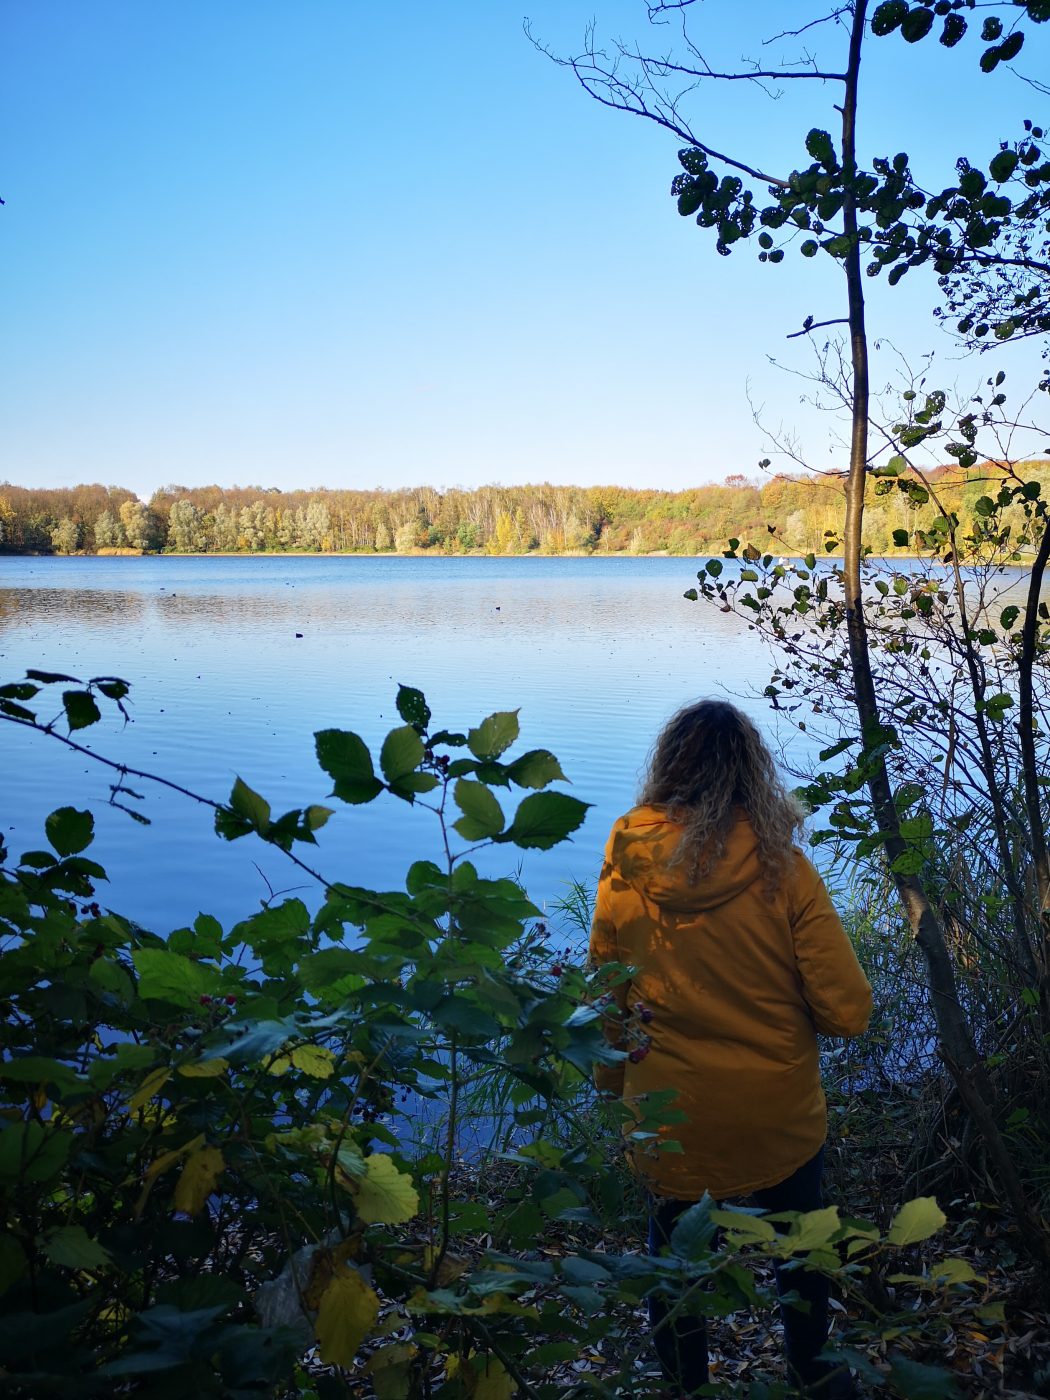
x=903, y=557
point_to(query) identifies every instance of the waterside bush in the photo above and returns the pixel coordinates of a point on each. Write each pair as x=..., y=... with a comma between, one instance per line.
x=211, y=1165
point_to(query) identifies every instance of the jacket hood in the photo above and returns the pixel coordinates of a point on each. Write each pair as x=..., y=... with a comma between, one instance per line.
x=644, y=844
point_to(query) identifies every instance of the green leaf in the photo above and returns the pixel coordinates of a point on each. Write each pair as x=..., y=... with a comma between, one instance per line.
x=820, y=147
x=916, y=24
x=826, y=755
x=901, y=538
x=346, y=759
x=745, y=1225
x=50, y=677
x=813, y=1230
x=112, y=687
x=996, y=706
x=248, y=804
x=535, y=769
x=329, y=967
x=229, y=825
x=916, y=1220
x=401, y=754
x=33, y=1150
x=460, y=1014
x=449, y=738
x=1011, y=46
x=279, y=923
x=71, y=1247
x=80, y=708
x=248, y=1042
x=1009, y=616
x=39, y=1069
x=167, y=976
x=920, y=1382
x=953, y=1270
x=482, y=815
x=412, y=707
x=422, y=875
x=69, y=830
x=888, y=16
x=494, y=735
x=908, y=863
x=694, y=1230
x=953, y=31
x=207, y=936
x=9, y=707
x=12, y=1262
x=411, y=783
x=1003, y=165
x=544, y=819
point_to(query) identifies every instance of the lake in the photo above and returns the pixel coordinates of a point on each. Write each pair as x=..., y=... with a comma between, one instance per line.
x=596, y=653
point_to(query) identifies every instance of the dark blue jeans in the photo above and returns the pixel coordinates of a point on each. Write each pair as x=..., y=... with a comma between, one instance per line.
x=681, y=1343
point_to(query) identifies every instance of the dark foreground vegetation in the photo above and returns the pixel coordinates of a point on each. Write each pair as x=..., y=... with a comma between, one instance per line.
x=351, y=1149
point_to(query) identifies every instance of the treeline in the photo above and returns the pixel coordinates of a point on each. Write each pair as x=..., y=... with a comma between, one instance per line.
x=488, y=520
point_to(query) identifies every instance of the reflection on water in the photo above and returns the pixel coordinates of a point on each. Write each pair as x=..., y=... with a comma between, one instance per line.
x=595, y=652
x=20, y=607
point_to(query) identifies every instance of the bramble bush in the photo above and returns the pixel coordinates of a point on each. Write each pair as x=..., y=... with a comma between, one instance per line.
x=211, y=1167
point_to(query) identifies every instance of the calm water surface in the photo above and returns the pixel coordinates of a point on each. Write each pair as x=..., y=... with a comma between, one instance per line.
x=596, y=653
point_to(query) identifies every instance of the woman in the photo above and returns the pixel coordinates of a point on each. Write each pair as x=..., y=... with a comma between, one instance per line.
x=740, y=962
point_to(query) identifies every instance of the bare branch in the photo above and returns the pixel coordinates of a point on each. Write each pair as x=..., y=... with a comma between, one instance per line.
x=663, y=67
x=818, y=325
x=794, y=33
x=601, y=78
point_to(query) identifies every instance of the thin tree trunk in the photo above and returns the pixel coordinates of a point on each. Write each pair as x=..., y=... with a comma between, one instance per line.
x=956, y=1043
x=1026, y=725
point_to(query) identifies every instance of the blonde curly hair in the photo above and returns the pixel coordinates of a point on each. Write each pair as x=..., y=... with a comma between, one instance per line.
x=708, y=765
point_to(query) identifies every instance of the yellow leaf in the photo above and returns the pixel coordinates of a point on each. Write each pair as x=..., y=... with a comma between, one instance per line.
x=451, y=1267
x=482, y=1377
x=197, y=1180
x=151, y=1085
x=347, y=1313
x=391, y=1371
x=315, y=1060
x=280, y=1064
x=160, y=1164
x=204, y=1069
x=953, y=1270
x=325, y=1265
x=384, y=1196
x=916, y=1220
x=492, y=1381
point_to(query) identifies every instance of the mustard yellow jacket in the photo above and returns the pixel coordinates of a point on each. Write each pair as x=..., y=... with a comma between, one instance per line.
x=738, y=984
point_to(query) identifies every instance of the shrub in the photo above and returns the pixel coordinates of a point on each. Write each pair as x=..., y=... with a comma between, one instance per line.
x=208, y=1160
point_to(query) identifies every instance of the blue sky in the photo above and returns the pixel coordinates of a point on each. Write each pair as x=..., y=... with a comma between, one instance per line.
x=347, y=244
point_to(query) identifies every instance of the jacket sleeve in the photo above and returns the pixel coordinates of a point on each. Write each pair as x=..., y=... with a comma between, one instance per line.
x=604, y=948
x=833, y=983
